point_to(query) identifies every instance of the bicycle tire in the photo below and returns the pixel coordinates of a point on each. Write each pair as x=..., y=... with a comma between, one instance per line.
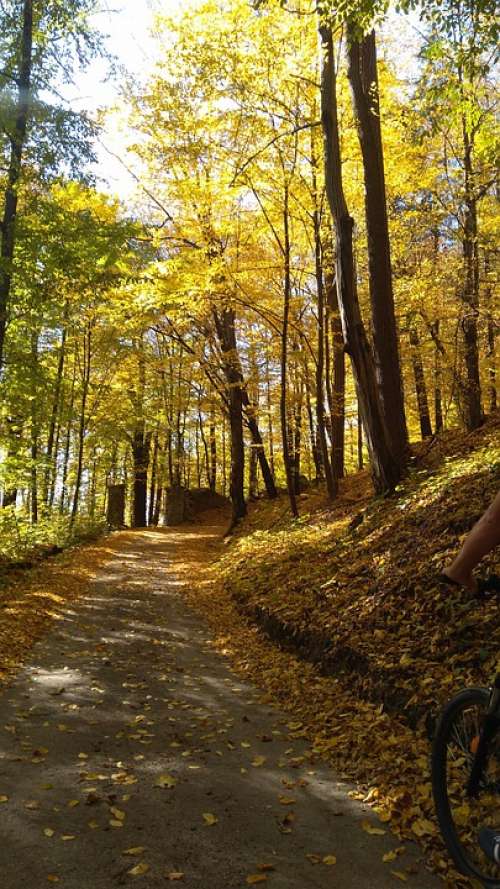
x=462, y=716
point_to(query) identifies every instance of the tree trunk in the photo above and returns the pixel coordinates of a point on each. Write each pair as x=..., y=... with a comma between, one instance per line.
x=212, y=469
x=226, y=332
x=284, y=356
x=153, y=481
x=420, y=385
x=82, y=425
x=51, y=450
x=17, y=140
x=363, y=78
x=386, y=470
x=331, y=481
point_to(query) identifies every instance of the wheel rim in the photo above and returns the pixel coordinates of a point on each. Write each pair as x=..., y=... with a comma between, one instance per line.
x=469, y=815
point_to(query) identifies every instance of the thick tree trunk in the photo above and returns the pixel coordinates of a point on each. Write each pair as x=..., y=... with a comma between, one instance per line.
x=140, y=455
x=362, y=72
x=386, y=469
x=141, y=443
x=17, y=139
x=420, y=384
x=226, y=333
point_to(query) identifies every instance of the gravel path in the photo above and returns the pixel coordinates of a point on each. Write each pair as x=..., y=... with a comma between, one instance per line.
x=126, y=731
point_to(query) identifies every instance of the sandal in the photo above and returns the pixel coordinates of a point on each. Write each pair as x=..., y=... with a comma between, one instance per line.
x=486, y=586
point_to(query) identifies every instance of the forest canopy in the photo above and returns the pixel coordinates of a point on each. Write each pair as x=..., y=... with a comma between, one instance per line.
x=303, y=283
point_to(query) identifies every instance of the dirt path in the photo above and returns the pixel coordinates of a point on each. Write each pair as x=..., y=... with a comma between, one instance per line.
x=126, y=731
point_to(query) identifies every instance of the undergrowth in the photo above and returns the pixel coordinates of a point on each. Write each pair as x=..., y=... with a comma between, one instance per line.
x=24, y=543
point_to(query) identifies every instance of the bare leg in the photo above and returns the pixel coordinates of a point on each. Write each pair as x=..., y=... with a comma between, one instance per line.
x=484, y=537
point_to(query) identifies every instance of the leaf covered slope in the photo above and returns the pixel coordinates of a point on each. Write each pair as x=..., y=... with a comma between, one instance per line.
x=360, y=596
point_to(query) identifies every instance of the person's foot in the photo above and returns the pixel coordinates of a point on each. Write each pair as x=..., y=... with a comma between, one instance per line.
x=467, y=582
x=489, y=840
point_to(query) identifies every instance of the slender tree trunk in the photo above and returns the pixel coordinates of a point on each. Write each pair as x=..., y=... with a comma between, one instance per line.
x=34, y=430
x=270, y=430
x=491, y=345
x=419, y=376
x=386, y=469
x=284, y=356
x=153, y=480
x=470, y=291
x=331, y=481
x=67, y=444
x=315, y=450
x=212, y=468
x=17, y=139
x=56, y=406
x=82, y=425
x=362, y=72
x=360, y=441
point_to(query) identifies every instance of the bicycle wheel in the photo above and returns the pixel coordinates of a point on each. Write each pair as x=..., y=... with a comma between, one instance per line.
x=460, y=816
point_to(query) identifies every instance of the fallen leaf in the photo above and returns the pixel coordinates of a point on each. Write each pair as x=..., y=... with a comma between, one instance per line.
x=139, y=869
x=258, y=761
x=119, y=815
x=175, y=875
x=374, y=831
x=210, y=819
x=134, y=850
x=48, y=832
x=400, y=875
x=166, y=781
x=329, y=859
x=256, y=878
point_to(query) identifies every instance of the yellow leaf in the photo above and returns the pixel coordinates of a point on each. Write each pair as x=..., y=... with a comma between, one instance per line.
x=374, y=831
x=166, y=781
x=114, y=823
x=52, y=878
x=252, y=879
x=287, y=800
x=400, y=875
x=119, y=815
x=258, y=761
x=209, y=819
x=73, y=802
x=3, y=798
x=422, y=827
x=68, y=837
x=329, y=859
x=48, y=832
x=93, y=825
x=134, y=850
x=139, y=869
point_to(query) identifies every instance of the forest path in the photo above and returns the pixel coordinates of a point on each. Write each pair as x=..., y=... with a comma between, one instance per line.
x=124, y=694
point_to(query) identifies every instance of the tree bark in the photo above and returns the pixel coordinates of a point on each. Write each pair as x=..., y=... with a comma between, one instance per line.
x=226, y=332
x=17, y=142
x=363, y=78
x=419, y=377
x=386, y=469
x=284, y=356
